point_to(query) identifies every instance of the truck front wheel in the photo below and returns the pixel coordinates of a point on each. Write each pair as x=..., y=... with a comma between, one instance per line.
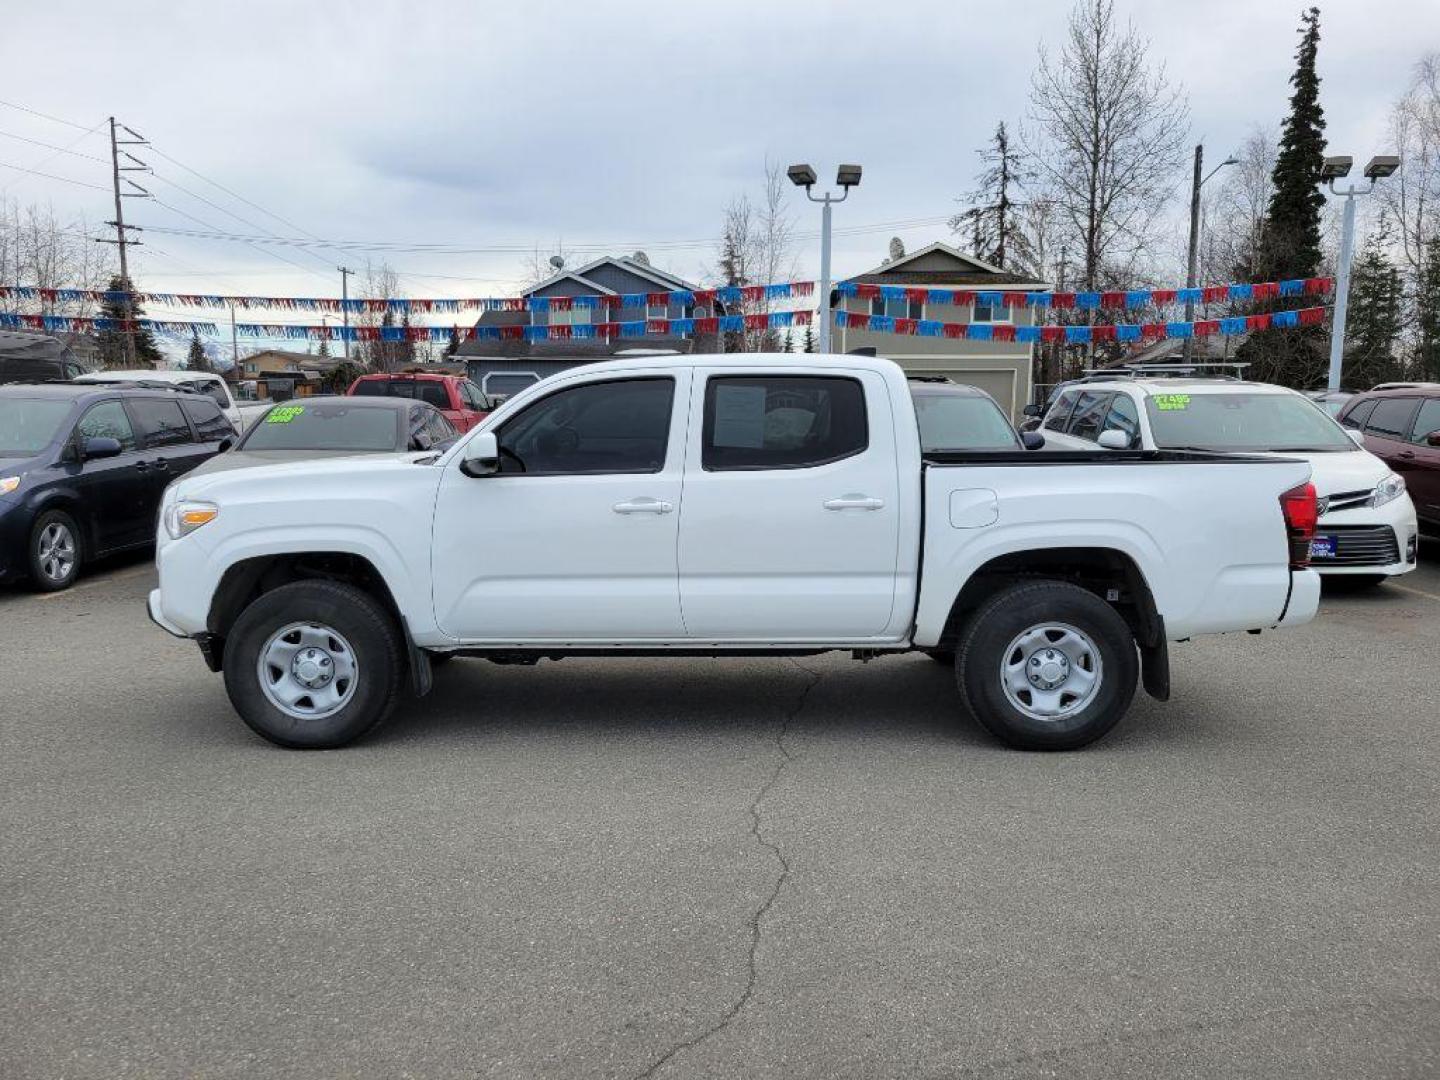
x=314, y=664
x=1047, y=665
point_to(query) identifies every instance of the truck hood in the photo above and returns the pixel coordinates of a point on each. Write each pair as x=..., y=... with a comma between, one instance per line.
x=289, y=468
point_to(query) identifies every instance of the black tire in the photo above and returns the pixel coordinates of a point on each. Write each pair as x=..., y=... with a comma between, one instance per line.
x=1007, y=616
x=942, y=656
x=41, y=533
x=366, y=627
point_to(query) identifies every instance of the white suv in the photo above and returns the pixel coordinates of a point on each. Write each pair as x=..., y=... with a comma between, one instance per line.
x=1367, y=526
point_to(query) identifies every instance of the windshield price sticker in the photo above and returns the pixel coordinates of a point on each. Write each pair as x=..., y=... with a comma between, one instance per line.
x=284, y=414
x=1172, y=402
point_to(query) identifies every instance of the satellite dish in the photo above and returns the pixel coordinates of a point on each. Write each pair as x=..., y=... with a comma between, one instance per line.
x=557, y=261
x=641, y=258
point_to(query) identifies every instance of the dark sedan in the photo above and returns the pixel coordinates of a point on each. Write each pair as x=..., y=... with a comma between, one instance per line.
x=82, y=469
x=314, y=427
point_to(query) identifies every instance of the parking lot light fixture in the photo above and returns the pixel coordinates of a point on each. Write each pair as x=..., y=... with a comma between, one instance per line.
x=846, y=177
x=1336, y=168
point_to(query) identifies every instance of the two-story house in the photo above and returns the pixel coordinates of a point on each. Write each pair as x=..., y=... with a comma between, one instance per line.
x=1001, y=368
x=504, y=366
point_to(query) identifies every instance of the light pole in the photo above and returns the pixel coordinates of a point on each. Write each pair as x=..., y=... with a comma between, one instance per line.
x=1195, y=187
x=847, y=176
x=1337, y=168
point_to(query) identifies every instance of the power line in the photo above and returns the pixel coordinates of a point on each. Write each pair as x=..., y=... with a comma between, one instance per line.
x=52, y=176
x=57, y=149
x=253, y=242
x=235, y=195
x=43, y=116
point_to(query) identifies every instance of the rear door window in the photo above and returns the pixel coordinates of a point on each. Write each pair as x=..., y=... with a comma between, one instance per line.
x=781, y=422
x=1089, y=415
x=1060, y=412
x=210, y=423
x=161, y=422
x=1357, y=416
x=1391, y=418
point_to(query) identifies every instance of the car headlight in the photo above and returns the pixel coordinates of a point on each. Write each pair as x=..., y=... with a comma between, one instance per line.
x=8, y=484
x=185, y=516
x=1388, y=490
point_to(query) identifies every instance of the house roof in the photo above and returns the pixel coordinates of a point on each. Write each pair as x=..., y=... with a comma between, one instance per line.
x=569, y=275
x=668, y=282
x=968, y=271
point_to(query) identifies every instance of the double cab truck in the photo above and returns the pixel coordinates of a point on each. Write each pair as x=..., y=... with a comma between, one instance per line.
x=732, y=505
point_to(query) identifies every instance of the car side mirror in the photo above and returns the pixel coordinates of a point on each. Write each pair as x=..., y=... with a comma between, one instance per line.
x=99, y=446
x=482, y=455
x=1114, y=440
x=1356, y=436
x=225, y=444
x=1033, y=410
x=1433, y=439
x=1032, y=440
x=420, y=441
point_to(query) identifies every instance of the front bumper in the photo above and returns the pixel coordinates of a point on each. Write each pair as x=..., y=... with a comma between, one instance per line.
x=157, y=616
x=1382, y=540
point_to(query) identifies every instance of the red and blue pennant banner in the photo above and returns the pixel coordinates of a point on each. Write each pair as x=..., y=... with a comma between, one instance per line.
x=1079, y=335
x=1094, y=301
x=685, y=298
x=723, y=324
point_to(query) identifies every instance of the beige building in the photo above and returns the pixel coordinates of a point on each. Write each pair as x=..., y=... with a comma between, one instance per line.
x=1000, y=368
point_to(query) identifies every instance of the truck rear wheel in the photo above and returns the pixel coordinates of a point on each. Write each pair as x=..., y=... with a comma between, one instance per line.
x=313, y=665
x=1047, y=665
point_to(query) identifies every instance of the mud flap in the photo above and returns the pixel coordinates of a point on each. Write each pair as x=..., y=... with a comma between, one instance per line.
x=421, y=679
x=1155, y=669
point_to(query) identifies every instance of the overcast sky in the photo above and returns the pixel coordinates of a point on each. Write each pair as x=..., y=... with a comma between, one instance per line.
x=498, y=124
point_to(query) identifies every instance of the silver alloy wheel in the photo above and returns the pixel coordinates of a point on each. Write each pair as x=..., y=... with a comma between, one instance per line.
x=308, y=671
x=55, y=551
x=1051, y=671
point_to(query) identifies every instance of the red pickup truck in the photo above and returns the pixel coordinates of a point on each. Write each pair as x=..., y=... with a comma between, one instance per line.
x=462, y=402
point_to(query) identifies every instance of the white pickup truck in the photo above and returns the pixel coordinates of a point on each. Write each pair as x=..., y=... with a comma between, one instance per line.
x=727, y=505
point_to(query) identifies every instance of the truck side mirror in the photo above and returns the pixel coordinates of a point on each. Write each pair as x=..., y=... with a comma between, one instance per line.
x=1032, y=440
x=481, y=456
x=1356, y=436
x=1033, y=410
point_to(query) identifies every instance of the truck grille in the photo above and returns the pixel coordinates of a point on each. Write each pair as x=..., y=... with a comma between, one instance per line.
x=1360, y=545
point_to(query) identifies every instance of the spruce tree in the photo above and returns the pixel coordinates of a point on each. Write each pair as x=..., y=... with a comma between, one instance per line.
x=1372, y=325
x=1290, y=241
x=453, y=345
x=807, y=343
x=1291, y=244
x=1427, y=314
x=991, y=217
x=195, y=359
x=324, y=350
x=112, y=343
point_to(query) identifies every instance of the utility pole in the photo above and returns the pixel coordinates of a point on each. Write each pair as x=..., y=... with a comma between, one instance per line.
x=235, y=344
x=345, y=273
x=1196, y=184
x=122, y=241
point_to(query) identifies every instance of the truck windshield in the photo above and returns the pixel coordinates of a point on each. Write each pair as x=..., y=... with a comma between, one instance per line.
x=325, y=426
x=1243, y=421
x=950, y=421
x=28, y=425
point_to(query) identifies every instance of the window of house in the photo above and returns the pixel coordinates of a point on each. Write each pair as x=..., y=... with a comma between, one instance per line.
x=1391, y=418
x=161, y=422
x=107, y=420
x=897, y=309
x=989, y=313
x=781, y=422
x=657, y=311
x=605, y=427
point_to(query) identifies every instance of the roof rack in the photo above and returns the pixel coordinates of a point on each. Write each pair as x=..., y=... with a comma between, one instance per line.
x=139, y=384
x=1404, y=386
x=929, y=378
x=1200, y=369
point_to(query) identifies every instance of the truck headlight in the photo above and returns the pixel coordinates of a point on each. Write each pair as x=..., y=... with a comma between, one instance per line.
x=185, y=516
x=1388, y=490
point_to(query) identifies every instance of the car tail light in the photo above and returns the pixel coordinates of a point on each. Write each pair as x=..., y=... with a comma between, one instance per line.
x=1301, y=513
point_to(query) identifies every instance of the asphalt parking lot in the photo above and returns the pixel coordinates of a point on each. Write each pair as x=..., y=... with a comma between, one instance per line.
x=748, y=868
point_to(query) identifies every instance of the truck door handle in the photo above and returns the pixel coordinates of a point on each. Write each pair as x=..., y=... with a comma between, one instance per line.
x=162, y=465
x=643, y=505
x=854, y=502
x=142, y=466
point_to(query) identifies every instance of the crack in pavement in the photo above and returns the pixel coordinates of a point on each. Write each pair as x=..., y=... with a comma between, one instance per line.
x=757, y=830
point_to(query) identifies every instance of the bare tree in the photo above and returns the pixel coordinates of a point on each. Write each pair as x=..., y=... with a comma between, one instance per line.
x=757, y=247
x=1233, y=215
x=39, y=249
x=1106, y=135
x=380, y=282
x=1412, y=196
x=539, y=263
